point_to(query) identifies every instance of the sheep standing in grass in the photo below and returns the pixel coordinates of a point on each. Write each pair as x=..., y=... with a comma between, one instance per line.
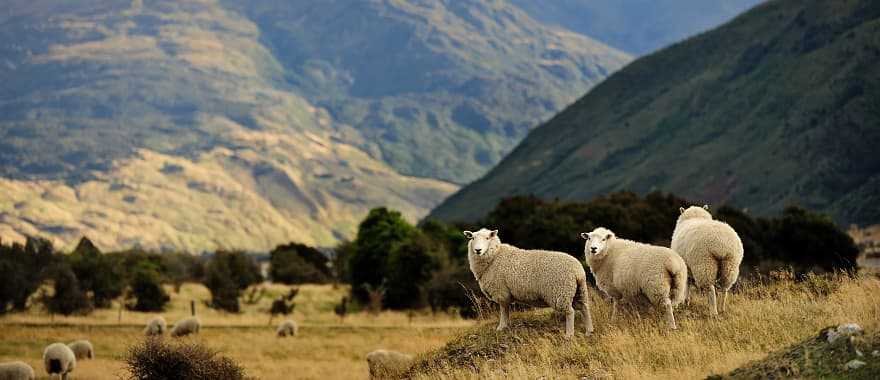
x=385, y=364
x=16, y=371
x=186, y=326
x=711, y=249
x=627, y=270
x=287, y=328
x=508, y=274
x=156, y=326
x=59, y=359
x=82, y=349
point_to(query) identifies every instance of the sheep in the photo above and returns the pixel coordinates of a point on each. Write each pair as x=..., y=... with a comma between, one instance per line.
x=287, y=328
x=386, y=364
x=59, y=359
x=16, y=371
x=542, y=278
x=711, y=249
x=155, y=326
x=186, y=326
x=82, y=349
x=626, y=270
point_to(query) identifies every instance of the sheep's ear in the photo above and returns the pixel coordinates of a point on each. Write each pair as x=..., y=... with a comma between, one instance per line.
x=468, y=234
x=585, y=236
x=610, y=236
x=681, y=210
x=706, y=207
x=494, y=233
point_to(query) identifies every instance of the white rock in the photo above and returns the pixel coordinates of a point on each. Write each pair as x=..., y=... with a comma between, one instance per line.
x=855, y=363
x=832, y=335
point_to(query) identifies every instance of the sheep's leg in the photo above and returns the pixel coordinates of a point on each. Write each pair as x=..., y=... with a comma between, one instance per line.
x=669, y=316
x=569, y=322
x=504, y=317
x=713, y=308
x=613, y=309
x=64, y=376
x=723, y=301
x=588, y=318
x=687, y=295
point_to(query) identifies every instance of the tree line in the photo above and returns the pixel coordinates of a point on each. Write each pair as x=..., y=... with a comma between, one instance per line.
x=394, y=264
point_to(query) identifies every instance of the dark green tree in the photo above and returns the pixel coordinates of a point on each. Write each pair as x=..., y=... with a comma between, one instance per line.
x=23, y=270
x=68, y=297
x=297, y=264
x=227, y=274
x=377, y=236
x=409, y=266
x=147, y=293
x=99, y=274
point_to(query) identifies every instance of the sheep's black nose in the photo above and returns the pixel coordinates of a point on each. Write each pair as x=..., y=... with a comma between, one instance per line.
x=477, y=250
x=593, y=249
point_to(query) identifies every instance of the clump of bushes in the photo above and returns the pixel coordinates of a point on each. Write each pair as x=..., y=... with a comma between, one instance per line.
x=227, y=275
x=159, y=359
x=146, y=292
x=296, y=263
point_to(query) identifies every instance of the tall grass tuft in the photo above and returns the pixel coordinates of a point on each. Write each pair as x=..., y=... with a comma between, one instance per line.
x=156, y=359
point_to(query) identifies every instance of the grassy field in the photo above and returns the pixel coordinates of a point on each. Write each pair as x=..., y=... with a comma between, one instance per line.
x=767, y=315
x=326, y=347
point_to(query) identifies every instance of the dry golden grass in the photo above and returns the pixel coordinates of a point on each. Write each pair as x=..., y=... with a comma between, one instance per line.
x=765, y=316
x=324, y=349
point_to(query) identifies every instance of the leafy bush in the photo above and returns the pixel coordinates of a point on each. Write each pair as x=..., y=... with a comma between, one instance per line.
x=297, y=264
x=68, y=297
x=156, y=359
x=146, y=289
x=227, y=275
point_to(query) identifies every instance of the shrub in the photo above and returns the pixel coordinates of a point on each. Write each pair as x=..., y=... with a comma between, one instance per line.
x=68, y=298
x=156, y=359
x=297, y=264
x=410, y=264
x=146, y=289
x=227, y=274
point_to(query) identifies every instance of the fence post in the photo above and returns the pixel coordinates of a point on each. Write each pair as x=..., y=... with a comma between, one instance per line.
x=192, y=307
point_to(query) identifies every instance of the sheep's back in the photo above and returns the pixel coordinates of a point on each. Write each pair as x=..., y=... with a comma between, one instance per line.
x=545, y=276
x=16, y=371
x=640, y=266
x=696, y=238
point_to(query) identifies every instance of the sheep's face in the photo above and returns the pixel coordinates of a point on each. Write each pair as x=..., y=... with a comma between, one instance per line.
x=694, y=212
x=482, y=242
x=597, y=242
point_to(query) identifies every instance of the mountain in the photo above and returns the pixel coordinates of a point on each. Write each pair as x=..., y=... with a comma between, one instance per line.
x=635, y=26
x=202, y=124
x=779, y=106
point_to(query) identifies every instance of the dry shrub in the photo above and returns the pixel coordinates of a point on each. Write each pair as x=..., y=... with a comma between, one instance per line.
x=156, y=359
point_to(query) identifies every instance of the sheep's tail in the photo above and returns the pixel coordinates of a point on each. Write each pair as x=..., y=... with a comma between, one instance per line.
x=678, y=277
x=54, y=366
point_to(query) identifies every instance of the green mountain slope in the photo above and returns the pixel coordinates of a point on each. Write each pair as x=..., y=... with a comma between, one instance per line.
x=439, y=89
x=199, y=124
x=779, y=106
x=635, y=26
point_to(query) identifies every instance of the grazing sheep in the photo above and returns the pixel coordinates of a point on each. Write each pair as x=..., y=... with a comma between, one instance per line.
x=385, y=364
x=82, y=349
x=59, y=359
x=508, y=274
x=626, y=270
x=186, y=326
x=287, y=328
x=16, y=371
x=711, y=249
x=156, y=326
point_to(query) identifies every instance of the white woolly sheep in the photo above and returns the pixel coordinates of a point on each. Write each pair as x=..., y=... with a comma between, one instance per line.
x=59, y=359
x=626, y=270
x=82, y=349
x=186, y=326
x=508, y=274
x=16, y=371
x=386, y=364
x=287, y=328
x=156, y=326
x=711, y=249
